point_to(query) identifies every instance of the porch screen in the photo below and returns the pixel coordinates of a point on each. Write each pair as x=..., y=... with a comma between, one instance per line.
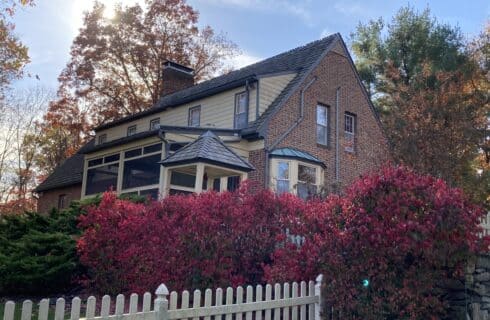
x=141, y=172
x=101, y=179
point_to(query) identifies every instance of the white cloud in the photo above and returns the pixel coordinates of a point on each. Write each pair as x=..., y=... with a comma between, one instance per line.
x=350, y=8
x=242, y=60
x=298, y=9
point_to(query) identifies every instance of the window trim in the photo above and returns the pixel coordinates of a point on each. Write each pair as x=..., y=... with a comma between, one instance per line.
x=326, y=126
x=102, y=138
x=189, y=118
x=293, y=173
x=130, y=128
x=152, y=121
x=352, y=135
x=61, y=201
x=246, y=108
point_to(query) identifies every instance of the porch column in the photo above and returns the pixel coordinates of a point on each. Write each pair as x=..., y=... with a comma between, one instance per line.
x=165, y=185
x=199, y=177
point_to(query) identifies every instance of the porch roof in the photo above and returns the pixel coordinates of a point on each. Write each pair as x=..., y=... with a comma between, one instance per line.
x=208, y=148
x=293, y=153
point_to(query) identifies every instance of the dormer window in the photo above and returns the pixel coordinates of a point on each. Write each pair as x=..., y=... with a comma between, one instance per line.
x=131, y=130
x=194, y=116
x=241, y=110
x=102, y=138
x=155, y=124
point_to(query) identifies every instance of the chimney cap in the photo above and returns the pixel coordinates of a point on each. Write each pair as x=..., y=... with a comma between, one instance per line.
x=177, y=66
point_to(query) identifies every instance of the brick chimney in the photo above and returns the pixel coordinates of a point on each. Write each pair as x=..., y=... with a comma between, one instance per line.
x=176, y=77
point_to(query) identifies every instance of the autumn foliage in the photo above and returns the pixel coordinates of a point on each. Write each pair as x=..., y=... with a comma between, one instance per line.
x=404, y=233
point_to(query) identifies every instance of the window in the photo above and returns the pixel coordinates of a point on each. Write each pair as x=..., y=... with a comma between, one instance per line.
x=282, y=177
x=141, y=172
x=182, y=179
x=322, y=125
x=350, y=131
x=131, y=130
x=102, y=138
x=155, y=124
x=194, y=116
x=102, y=178
x=233, y=183
x=241, y=110
x=61, y=201
x=306, y=181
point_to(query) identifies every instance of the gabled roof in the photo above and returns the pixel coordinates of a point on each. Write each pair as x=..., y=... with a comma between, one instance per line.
x=292, y=153
x=67, y=174
x=210, y=149
x=299, y=60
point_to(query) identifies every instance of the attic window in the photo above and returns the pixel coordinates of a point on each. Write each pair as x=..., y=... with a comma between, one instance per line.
x=194, y=116
x=131, y=130
x=102, y=138
x=155, y=124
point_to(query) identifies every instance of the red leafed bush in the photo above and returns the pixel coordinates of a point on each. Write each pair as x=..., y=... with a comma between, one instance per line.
x=385, y=247
x=186, y=242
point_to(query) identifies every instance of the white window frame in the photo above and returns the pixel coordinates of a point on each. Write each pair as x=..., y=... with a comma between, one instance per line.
x=130, y=130
x=236, y=114
x=102, y=138
x=87, y=168
x=350, y=133
x=153, y=122
x=288, y=179
x=190, y=119
x=324, y=126
x=124, y=159
x=293, y=173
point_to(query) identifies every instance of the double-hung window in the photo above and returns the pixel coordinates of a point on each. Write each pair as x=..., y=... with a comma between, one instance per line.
x=131, y=130
x=102, y=138
x=350, y=131
x=241, y=110
x=282, y=177
x=155, y=124
x=194, y=116
x=322, y=125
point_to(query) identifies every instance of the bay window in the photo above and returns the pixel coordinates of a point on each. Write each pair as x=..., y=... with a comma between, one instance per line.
x=306, y=186
x=296, y=176
x=282, y=177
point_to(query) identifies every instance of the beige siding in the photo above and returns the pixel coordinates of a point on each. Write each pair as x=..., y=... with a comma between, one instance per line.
x=271, y=87
x=216, y=111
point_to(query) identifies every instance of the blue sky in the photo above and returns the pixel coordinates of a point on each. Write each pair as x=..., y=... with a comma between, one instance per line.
x=261, y=28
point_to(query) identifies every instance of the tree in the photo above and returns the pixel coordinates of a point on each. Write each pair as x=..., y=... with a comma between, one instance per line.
x=116, y=66
x=430, y=93
x=13, y=53
x=21, y=109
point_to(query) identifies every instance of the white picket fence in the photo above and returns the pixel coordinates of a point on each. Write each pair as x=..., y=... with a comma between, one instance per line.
x=296, y=301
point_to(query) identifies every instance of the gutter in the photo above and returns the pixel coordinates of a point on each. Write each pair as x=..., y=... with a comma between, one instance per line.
x=271, y=147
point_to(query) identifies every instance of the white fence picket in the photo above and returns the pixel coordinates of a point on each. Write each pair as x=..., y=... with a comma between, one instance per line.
x=59, y=312
x=43, y=309
x=8, y=313
x=258, y=298
x=75, y=308
x=26, y=310
x=268, y=297
x=90, y=312
x=283, y=302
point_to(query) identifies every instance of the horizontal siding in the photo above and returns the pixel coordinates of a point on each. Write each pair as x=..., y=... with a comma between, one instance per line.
x=271, y=87
x=216, y=111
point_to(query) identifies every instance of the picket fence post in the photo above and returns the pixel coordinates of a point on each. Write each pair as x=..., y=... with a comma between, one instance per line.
x=161, y=303
x=318, y=293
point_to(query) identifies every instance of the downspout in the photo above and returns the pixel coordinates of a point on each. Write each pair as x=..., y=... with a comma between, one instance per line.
x=337, y=132
x=287, y=132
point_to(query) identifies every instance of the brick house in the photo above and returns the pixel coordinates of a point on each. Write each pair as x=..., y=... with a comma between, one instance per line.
x=295, y=122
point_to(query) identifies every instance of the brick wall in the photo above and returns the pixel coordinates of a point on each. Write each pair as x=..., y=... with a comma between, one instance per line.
x=371, y=149
x=49, y=199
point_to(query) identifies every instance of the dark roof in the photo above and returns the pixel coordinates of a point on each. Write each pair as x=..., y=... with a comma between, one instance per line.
x=210, y=149
x=298, y=60
x=92, y=147
x=293, y=153
x=68, y=173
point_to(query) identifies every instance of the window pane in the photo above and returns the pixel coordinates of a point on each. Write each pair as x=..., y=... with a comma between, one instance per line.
x=154, y=124
x=233, y=183
x=176, y=146
x=306, y=174
x=306, y=190
x=282, y=186
x=217, y=184
x=141, y=172
x=349, y=123
x=111, y=158
x=283, y=170
x=132, y=153
x=321, y=115
x=241, y=120
x=152, y=148
x=131, y=130
x=95, y=162
x=321, y=134
x=153, y=193
x=182, y=179
x=241, y=103
x=102, y=178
